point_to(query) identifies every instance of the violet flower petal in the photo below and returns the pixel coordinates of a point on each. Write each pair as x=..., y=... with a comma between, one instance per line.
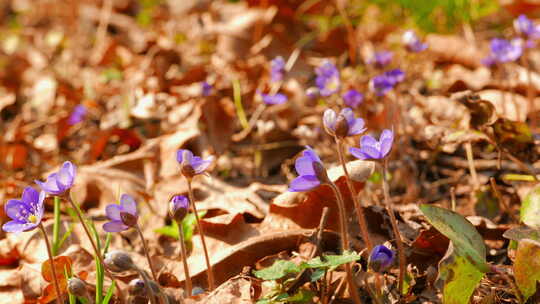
x=304, y=183
x=115, y=226
x=128, y=204
x=113, y=212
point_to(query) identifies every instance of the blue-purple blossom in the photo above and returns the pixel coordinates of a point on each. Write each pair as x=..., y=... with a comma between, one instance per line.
x=77, y=115
x=310, y=170
x=525, y=27
x=192, y=165
x=206, y=89
x=503, y=51
x=381, y=258
x=122, y=216
x=277, y=69
x=327, y=78
x=344, y=124
x=59, y=182
x=178, y=207
x=353, y=98
x=382, y=58
x=26, y=213
x=370, y=148
x=385, y=82
x=274, y=99
x=412, y=43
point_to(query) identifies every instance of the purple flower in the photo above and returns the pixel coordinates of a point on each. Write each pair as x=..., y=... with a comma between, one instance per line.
x=178, y=207
x=277, y=69
x=310, y=170
x=327, y=78
x=370, y=148
x=412, y=43
x=192, y=165
x=78, y=115
x=344, y=124
x=353, y=98
x=59, y=182
x=275, y=99
x=206, y=89
x=26, y=213
x=525, y=27
x=380, y=258
x=122, y=216
x=385, y=82
x=382, y=59
x=395, y=75
x=503, y=51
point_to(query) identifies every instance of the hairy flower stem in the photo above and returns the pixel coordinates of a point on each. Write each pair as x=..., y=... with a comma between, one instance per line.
x=183, y=251
x=209, y=271
x=345, y=241
x=147, y=286
x=145, y=248
x=393, y=221
x=359, y=209
x=91, y=239
x=59, y=297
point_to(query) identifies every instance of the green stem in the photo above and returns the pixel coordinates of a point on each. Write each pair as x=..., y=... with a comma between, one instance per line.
x=238, y=104
x=56, y=226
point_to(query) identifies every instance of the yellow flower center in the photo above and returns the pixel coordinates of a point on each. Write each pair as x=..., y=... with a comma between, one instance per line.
x=32, y=219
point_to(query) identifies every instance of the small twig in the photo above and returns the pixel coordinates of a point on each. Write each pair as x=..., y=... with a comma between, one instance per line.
x=59, y=297
x=453, y=198
x=209, y=272
x=472, y=168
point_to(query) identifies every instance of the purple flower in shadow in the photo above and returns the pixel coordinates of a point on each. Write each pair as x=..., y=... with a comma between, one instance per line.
x=344, y=124
x=412, y=43
x=327, y=78
x=78, y=115
x=206, y=89
x=277, y=69
x=274, y=99
x=192, y=165
x=370, y=148
x=382, y=58
x=381, y=258
x=353, y=98
x=26, y=213
x=122, y=216
x=59, y=182
x=310, y=170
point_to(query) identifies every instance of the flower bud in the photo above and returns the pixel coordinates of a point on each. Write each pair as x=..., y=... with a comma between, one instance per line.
x=136, y=287
x=320, y=172
x=341, y=127
x=128, y=219
x=178, y=207
x=380, y=258
x=77, y=287
x=118, y=261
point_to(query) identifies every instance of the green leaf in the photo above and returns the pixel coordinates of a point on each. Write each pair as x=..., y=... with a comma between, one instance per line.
x=460, y=279
x=317, y=274
x=302, y=296
x=188, y=224
x=467, y=241
x=530, y=209
x=519, y=233
x=109, y=294
x=527, y=267
x=332, y=261
x=278, y=270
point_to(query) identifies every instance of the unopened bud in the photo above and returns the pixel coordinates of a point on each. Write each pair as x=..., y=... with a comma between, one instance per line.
x=128, y=219
x=342, y=127
x=178, y=207
x=77, y=287
x=136, y=287
x=320, y=172
x=187, y=171
x=118, y=261
x=380, y=258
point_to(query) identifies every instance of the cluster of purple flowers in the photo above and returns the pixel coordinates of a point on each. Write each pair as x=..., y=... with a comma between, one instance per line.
x=310, y=169
x=385, y=82
x=27, y=213
x=503, y=51
x=327, y=80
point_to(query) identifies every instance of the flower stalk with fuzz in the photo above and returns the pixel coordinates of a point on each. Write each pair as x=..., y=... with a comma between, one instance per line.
x=178, y=209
